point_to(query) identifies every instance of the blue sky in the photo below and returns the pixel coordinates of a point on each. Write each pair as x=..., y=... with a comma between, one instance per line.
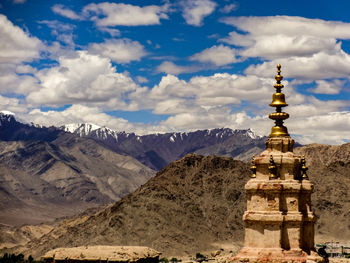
x=162, y=66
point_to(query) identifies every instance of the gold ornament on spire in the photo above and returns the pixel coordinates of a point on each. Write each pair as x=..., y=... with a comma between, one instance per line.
x=279, y=101
x=272, y=169
x=253, y=168
x=303, y=169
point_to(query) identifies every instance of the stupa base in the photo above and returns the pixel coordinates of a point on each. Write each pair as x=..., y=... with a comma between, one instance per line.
x=275, y=255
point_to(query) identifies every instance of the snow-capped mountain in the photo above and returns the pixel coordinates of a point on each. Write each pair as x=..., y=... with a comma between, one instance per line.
x=157, y=150
x=153, y=150
x=82, y=129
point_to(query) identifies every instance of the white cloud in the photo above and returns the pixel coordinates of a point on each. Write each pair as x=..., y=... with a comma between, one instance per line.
x=311, y=106
x=10, y=82
x=83, y=114
x=125, y=14
x=300, y=36
x=316, y=67
x=328, y=87
x=83, y=78
x=328, y=128
x=12, y=105
x=25, y=69
x=175, y=96
x=66, y=12
x=171, y=87
x=306, y=48
x=218, y=117
x=78, y=114
x=141, y=79
x=194, y=11
x=17, y=46
x=228, y=8
x=112, y=31
x=281, y=45
x=217, y=55
x=291, y=25
x=62, y=31
x=119, y=50
x=171, y=68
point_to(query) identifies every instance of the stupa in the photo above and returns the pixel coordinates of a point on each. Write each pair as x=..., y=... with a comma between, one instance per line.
x=279, y=222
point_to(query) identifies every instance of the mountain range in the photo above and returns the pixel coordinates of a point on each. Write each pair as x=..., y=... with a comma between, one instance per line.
x=46, y=173
x=50, y=172
x=158, y=150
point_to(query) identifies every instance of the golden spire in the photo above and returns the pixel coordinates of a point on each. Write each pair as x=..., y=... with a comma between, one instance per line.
x=278, y=101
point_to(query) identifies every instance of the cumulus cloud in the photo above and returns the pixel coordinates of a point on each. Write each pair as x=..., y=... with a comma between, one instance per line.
x=217, y=55
x=10, y=82
x=300, y=36
x=82, y=78
x=25, y=69
x=280, y=45
x=119, y=50
x=17, y=46
x=307, y=48
x=316, y=67
x=66, y=12
x=194, y=11
x=328, y=87
x=234, y=86
x=171, y=68
x=141, y=79
x=12, y=105
x=125, y=14
x=292, y=25
x=334, y=126
x=174, y=96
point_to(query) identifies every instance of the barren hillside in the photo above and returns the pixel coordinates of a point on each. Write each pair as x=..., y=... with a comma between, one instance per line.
x=196, y=204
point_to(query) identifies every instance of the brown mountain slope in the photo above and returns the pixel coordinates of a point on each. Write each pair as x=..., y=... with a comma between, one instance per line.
x=189, y=205
x=40, y=181
x=330, y=172
x=197, y=202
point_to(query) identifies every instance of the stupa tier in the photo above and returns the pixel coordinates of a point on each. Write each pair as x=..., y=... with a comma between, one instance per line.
x=279, y=222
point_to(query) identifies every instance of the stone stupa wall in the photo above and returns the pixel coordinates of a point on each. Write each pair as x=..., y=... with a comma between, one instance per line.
x=279, y=222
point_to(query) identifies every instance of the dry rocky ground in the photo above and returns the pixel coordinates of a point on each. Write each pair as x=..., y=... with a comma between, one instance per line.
x=196, y=205
x=41, y=181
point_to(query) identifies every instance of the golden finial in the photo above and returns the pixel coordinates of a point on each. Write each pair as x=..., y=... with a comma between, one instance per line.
x=279, y=101
x=272, y=168
x=253, y=168
x=303, y=169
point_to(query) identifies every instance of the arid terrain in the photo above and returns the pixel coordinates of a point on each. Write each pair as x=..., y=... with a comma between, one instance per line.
x=44, y=180
x=196, y=204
